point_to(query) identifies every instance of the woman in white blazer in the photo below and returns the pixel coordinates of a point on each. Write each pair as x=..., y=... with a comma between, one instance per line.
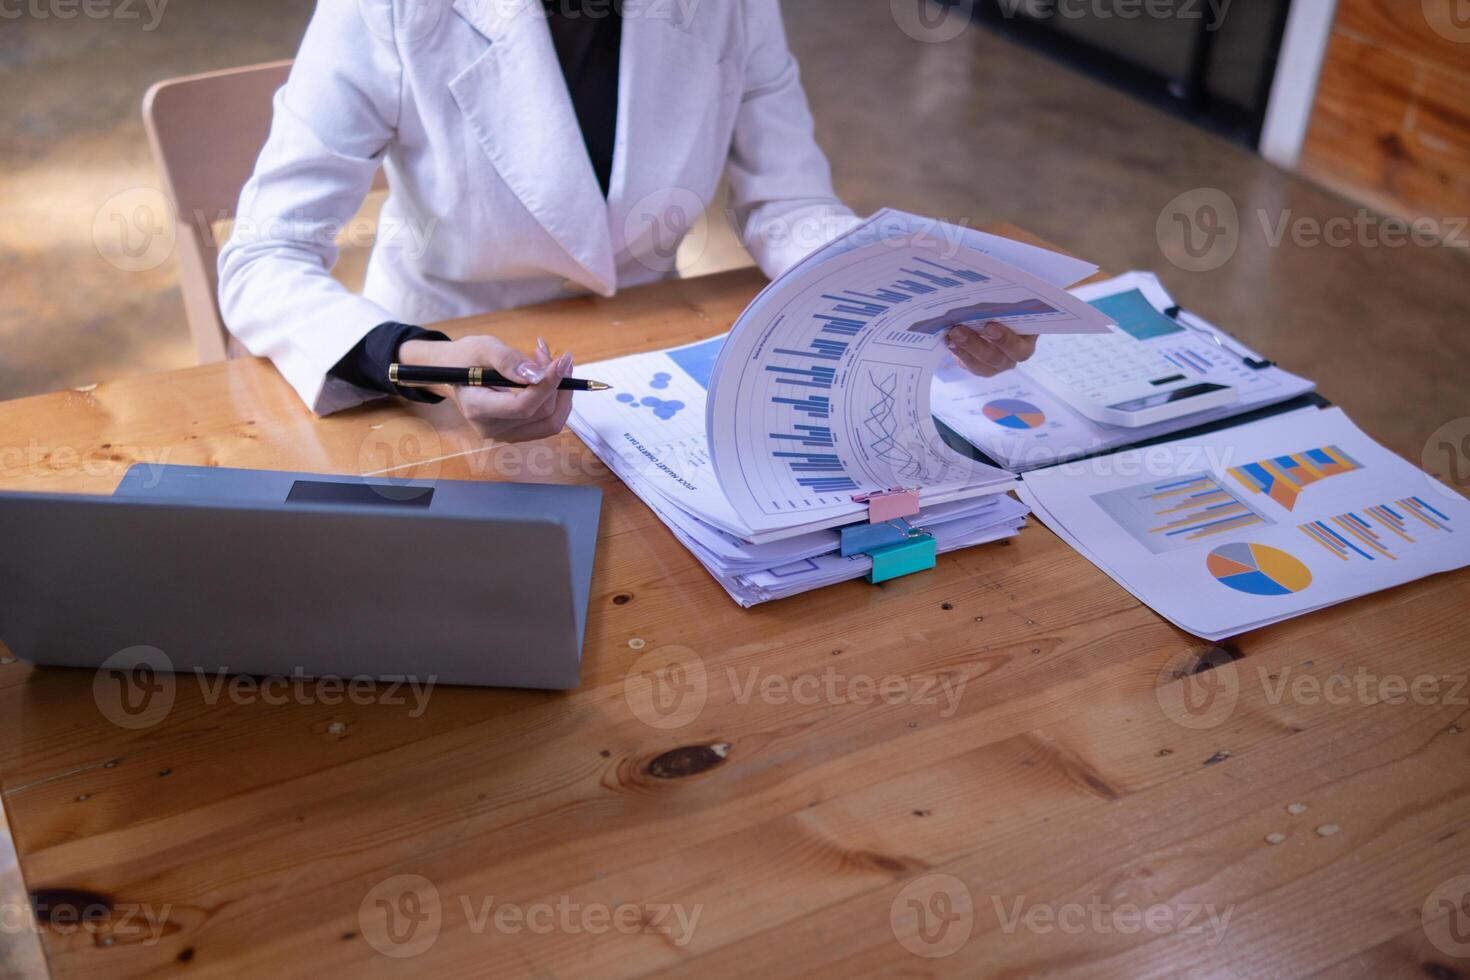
x=533, y=149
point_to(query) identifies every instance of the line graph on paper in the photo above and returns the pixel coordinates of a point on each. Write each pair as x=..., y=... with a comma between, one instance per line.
x=880, y=429
x=893, y=446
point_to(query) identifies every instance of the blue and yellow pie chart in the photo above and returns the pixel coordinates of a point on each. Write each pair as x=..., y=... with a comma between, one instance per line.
x=1014, y=413
x=1257, y=569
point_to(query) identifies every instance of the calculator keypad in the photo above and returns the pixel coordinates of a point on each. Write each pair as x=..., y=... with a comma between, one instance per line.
x=1092, y=363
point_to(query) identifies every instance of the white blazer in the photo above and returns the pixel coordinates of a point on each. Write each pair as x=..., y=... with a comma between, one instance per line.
x=493, y=201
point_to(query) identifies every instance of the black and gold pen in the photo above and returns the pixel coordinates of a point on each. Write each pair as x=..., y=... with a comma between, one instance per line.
x=423, y=376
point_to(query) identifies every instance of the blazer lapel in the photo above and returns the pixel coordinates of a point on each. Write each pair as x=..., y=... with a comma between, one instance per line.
x=515, y=101
x=667, y=87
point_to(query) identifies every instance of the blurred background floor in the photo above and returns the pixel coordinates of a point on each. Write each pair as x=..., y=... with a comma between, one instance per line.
x=971, y=130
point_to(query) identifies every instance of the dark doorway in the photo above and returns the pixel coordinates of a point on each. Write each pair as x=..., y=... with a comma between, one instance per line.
x=1211, y=61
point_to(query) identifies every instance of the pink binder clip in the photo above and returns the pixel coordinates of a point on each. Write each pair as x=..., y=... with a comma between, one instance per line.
x=888, y=505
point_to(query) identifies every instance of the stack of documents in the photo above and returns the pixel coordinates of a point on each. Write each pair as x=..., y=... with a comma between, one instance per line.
x=753, y=446
x=1255, y=524
x=755, y=573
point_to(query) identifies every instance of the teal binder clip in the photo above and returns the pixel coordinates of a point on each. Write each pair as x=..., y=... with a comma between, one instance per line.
x=914, y=555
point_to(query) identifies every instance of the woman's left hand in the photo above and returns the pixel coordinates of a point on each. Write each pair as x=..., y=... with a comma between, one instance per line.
x=989, y=349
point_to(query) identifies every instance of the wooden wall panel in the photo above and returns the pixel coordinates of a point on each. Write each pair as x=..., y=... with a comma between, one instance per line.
x=1391, y=123
x=1404, y=25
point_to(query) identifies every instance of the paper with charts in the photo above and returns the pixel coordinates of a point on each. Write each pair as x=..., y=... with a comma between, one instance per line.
x=1257, y=523
x=820, y=392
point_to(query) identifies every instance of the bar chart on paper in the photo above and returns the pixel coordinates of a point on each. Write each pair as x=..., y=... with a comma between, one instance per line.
x=801, y=402
x=1179, y=512
x=1381, y=532
x=1283, y=478
x=825, y=365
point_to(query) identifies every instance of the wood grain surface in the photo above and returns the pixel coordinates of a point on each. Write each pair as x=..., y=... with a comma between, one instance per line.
x=1002, y=767
x=1390, y=125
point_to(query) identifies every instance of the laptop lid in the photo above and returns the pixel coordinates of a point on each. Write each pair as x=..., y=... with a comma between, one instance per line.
x=312, y=583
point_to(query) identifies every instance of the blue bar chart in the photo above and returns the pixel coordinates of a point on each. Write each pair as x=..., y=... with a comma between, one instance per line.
x=838, y=319
x=1377, y=532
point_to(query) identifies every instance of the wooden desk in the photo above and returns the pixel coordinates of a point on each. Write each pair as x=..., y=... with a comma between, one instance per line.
x=827, y=786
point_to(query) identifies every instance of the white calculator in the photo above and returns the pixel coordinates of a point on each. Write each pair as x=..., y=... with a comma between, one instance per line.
x=1116, y=379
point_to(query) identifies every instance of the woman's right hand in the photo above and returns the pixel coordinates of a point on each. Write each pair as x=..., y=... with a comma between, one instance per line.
x=507, y=414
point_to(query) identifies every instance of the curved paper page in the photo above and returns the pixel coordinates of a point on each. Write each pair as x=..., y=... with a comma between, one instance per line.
x=821, y=391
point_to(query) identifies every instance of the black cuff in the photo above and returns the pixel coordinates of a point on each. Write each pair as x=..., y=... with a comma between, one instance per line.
x=366, y=365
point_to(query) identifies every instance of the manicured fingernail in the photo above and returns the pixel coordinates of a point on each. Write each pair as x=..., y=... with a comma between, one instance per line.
x=564, y=365
x=527, y=371
x=542, y=349
x=992, y=331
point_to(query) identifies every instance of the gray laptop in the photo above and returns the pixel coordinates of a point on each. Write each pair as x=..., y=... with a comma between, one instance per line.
x=271, y=573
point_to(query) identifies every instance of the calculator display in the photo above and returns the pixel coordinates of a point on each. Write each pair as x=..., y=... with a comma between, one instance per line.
x=1167, y=397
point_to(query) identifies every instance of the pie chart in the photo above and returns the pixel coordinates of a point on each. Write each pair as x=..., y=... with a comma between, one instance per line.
x=1014, y=413
x=1257, y=569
